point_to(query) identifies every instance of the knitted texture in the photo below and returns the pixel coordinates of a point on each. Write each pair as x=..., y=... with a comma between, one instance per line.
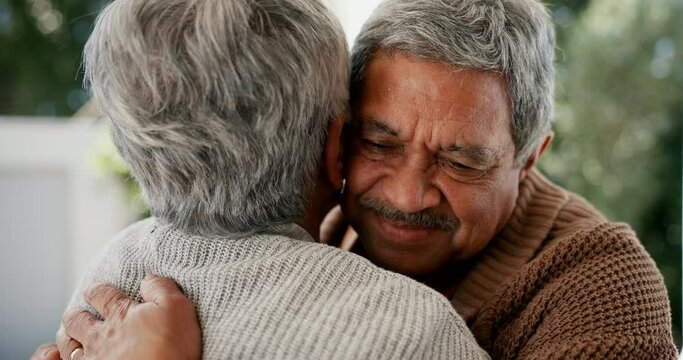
x=560, y=282
x=281, y=296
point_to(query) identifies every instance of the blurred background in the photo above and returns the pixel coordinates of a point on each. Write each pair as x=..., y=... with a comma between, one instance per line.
x=64, y=192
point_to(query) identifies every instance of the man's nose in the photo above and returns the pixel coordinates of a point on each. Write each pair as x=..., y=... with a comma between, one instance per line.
x=409, y=188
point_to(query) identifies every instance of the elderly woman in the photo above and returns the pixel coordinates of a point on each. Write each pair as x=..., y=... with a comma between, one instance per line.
x=222, y=110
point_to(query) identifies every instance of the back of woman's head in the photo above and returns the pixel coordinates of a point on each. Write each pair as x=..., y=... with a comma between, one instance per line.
x=220, y=108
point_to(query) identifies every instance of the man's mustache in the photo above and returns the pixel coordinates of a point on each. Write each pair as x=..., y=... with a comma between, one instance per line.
x=423, y=219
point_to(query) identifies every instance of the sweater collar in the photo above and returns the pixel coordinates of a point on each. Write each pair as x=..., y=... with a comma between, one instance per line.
x=292, y=231
x=538, y=204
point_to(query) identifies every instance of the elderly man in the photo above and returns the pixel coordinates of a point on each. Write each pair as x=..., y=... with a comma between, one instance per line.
x=452, y=104
x=222, y=110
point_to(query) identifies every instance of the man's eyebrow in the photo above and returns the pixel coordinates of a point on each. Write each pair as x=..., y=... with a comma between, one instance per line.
x=378, y=126
x=480, y=154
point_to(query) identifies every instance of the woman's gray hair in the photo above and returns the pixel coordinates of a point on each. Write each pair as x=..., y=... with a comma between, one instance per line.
x=220, y=108
x=515, y=37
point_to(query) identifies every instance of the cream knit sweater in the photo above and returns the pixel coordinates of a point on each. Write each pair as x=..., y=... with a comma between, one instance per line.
x=282, y=296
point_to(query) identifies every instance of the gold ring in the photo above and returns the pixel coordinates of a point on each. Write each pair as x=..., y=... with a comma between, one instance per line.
x=73, y=353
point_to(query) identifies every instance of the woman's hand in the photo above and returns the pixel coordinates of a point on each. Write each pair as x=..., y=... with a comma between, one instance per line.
x=335, y=230
x=46, y=352
x=164, y=326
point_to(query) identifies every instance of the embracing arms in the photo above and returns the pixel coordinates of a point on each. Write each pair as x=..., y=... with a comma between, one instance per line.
x=163, y=326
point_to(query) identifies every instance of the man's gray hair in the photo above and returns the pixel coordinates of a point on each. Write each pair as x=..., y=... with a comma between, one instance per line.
x=220, y=108
x=514, y=37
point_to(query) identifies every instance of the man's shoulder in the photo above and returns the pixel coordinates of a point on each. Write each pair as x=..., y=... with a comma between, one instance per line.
x=590, y=285
x=601, y=266
x=593, y=239
x=578, y=211
x=576, y=225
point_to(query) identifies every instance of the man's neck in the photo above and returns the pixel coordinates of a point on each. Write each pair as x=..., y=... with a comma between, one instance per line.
x=322, y=202
x=312, y=227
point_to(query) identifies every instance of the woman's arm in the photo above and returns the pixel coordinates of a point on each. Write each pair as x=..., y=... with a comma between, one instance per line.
x=163, y=326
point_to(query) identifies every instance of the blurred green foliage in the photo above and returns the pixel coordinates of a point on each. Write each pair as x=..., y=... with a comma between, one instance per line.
x=619, y=116
x=619, y=113
x=106, y=160
x=40, y=53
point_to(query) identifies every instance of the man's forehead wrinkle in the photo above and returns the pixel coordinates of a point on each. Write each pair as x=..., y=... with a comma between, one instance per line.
x=478, y=153
x=431, y=111
x=419, y=91
x=373, y=124
x=453, y=106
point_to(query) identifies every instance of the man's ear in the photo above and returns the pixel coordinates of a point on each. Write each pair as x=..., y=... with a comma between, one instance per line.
x=533, y=159
x=334, y=152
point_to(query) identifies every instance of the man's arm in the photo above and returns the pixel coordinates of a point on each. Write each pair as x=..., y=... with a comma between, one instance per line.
x=598, y=296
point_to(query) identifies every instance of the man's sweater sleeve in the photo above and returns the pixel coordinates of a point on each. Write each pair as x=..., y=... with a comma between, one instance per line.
x=599, y=296
x=611, y=304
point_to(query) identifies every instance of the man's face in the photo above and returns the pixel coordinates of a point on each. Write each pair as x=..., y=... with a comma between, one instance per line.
x=429, y=164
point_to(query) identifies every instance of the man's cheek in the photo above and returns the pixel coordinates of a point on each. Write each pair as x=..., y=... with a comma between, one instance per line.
x=362, y=177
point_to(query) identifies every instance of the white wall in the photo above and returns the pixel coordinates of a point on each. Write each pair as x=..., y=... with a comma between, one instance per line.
x=352, y=14
x=55, y=213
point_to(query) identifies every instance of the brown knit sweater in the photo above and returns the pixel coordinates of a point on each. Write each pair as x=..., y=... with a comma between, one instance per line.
x=560, y=282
